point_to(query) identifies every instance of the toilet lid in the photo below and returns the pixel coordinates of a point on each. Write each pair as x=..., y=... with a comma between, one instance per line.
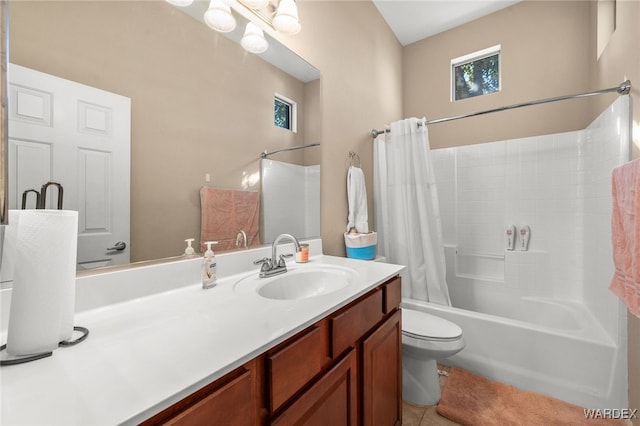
x=423, y=325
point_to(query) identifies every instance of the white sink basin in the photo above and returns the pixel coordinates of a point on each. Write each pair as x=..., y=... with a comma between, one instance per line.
x=300, y=283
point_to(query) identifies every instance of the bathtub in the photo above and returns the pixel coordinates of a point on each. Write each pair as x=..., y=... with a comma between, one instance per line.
x=542, y=345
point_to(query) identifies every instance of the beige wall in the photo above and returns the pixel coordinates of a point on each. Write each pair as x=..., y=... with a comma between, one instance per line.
x=200, y=103
x=545, y=52
x=361, y=88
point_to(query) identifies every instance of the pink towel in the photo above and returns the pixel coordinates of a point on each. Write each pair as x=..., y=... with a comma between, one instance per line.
x=226, y=212
x=625, y=229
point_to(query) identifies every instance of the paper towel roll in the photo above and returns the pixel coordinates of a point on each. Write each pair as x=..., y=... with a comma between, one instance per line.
x=43, y=295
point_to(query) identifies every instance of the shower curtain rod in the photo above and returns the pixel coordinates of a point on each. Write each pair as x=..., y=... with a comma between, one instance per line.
x=623, y=89
x=265, y=154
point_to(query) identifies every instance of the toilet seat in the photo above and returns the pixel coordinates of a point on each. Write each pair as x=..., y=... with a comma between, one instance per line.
x=424, y=326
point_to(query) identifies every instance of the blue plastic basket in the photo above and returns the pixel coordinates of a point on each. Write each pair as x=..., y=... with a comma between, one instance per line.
x=364, y=253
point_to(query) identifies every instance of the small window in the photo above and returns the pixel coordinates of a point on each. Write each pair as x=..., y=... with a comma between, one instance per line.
x=476, y=74
x=284, y=113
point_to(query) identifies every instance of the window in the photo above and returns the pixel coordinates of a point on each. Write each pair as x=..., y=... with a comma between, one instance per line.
x=476, y=74
x=284, y=113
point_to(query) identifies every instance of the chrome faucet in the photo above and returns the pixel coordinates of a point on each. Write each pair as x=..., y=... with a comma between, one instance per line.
x=241, y=238
x=274, y=266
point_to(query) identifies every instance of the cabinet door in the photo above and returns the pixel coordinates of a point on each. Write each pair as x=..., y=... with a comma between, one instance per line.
x=382, y=374
x=332, y=400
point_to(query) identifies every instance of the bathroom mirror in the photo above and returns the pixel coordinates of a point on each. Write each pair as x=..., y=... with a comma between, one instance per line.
x=201, y=107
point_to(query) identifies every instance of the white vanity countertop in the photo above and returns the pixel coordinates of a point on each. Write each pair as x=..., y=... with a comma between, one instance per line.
x=146, y=353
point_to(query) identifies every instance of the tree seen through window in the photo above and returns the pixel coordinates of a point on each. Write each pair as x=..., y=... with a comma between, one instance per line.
x=477, y=77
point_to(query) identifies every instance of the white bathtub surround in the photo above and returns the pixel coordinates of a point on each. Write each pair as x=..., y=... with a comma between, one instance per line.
x=290, y=199
x=562, y=332
x=568, y=356
x=407, y=210
x=156, y=336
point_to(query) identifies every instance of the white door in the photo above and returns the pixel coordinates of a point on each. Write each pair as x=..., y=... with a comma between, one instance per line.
x=78, y=136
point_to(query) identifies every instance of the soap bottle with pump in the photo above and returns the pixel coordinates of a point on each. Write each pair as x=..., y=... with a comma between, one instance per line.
x=209, y=276
x=511, y=237
x=189, y=251
x=525, y=236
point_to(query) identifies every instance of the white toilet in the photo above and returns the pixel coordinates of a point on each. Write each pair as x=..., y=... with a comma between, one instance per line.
x=425, y=339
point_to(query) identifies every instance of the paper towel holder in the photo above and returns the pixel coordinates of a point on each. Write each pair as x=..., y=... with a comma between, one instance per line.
x=65, y=343
x=24, y=359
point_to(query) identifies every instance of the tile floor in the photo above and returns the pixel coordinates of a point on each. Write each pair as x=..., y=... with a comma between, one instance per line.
x=414, y=415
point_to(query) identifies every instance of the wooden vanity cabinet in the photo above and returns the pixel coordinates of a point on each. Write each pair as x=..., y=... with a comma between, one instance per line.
x=367, y=332
x=346, y=369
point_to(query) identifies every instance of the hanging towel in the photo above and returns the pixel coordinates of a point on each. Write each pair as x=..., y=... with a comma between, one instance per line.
x=357, y=198
x=625, y=230
x=226, y=212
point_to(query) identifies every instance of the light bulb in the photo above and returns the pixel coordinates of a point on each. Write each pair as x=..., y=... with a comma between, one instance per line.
x=253, y=40
x=219, y=17
x=286, y=20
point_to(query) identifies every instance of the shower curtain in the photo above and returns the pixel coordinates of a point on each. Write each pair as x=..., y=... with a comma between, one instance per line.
x=407, y=211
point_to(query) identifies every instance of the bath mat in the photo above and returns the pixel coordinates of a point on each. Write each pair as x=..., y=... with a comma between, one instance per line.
x=469, y=399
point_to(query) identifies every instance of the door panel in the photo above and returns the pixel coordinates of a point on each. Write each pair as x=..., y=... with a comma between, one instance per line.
x=80, y=137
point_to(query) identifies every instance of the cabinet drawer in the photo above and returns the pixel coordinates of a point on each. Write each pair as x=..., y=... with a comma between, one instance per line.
x=350, y=325
x=291, y=367
x=392, y=295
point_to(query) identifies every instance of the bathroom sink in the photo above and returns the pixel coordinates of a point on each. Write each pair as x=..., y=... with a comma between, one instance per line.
x=301, y=283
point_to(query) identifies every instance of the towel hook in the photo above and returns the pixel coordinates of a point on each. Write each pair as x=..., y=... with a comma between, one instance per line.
x=354, y=159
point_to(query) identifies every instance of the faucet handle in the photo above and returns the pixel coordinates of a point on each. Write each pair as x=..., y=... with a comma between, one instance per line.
x=281, y=261
x=265, y=262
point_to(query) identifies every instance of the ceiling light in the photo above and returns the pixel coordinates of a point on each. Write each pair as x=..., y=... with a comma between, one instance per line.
x=253, y=40
x=219, y=16
x=181, y=3
x=286, y=19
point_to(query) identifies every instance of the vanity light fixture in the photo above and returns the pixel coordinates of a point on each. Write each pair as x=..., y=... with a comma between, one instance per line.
x=253, y=40
x=218, y=16
x=280, y=15
x=286, y=19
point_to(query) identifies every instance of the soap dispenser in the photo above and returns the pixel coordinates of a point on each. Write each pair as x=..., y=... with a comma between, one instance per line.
x=209, y=278
x=525, y=236
x=189, y=251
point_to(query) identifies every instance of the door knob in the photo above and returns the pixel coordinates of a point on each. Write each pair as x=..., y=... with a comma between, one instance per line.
x=120, y=245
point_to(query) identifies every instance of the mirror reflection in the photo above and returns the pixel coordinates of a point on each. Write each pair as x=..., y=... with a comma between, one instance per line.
x=201, y=113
